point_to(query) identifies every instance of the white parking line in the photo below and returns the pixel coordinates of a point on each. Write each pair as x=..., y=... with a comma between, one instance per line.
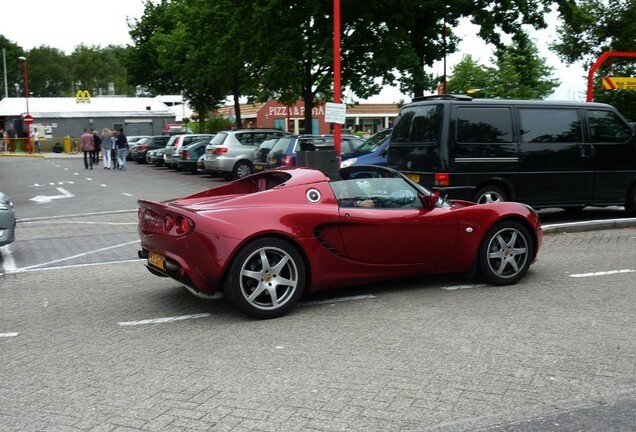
x=462, y=287
x=337, y=300
x=602, y=273
x=74, y=256
x=8, y=335
x=163, y=320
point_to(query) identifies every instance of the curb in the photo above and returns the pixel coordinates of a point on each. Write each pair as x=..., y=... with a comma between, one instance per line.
x=572, y=227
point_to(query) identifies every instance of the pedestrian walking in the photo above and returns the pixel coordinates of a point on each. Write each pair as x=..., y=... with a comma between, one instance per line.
x=35, y=137
x=88, y=147
x=108, y=143
x=98, y=145
x=122, y=149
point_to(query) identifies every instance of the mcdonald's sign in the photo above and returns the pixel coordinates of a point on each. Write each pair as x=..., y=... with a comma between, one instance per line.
x=82, y=96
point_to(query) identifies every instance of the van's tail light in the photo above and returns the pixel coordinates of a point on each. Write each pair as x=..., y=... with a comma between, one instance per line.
x=287, y=161
x=442, y=179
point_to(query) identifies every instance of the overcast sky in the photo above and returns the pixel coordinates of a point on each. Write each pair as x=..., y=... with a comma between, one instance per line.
x=65, y=24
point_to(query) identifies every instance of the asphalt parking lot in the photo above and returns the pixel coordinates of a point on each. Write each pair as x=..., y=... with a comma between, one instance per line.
x=91, y=341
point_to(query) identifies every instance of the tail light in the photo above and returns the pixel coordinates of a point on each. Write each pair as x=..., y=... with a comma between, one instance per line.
x=186, y=155
x=183, y=225
x=442, y=179
x=287, y=161
x=220, y=150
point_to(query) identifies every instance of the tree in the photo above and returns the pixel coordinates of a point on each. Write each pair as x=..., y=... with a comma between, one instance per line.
x=48, y=72
x=521, y=73
x=15, y=71
x=467, y=75
x=591, y=27
x=422, y=31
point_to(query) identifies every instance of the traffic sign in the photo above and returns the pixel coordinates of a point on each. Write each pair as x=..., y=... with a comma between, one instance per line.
x=27, y=119
x=335, y=112
x=622, y=83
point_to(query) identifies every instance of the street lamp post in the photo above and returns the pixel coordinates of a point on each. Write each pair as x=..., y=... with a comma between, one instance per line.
x=27, y=118
x=26, y=82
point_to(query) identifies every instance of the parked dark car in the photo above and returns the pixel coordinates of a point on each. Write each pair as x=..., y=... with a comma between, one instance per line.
x=140, y=148
x=7, y=220
x=284, y=152
x=189, y=155
x=155, y=157
x=542, y=153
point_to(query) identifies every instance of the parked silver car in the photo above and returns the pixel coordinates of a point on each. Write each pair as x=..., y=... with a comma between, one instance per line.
x=231, y=153
x=7, y=220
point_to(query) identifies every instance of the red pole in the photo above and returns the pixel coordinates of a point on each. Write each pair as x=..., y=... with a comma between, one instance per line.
x=337, y=132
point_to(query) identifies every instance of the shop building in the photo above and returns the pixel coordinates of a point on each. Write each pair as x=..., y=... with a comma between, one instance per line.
x=368, y=118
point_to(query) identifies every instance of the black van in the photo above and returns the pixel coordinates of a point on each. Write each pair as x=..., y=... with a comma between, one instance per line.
x=543, y=153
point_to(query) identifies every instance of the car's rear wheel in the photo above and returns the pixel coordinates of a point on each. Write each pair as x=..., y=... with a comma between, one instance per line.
x=266, y=278
x=488, y=194
x=241, y=169
x=505, y=253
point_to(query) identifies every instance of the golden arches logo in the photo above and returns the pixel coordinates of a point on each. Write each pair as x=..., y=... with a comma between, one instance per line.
x=82, y=96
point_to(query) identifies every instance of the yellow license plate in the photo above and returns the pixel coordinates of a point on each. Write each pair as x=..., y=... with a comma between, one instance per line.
x=157, y=260
x=414, y=177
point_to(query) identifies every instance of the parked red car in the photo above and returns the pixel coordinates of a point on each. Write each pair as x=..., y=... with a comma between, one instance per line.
x=265, y=239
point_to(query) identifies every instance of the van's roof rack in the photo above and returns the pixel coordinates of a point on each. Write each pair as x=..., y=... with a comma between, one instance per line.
x=458, y=97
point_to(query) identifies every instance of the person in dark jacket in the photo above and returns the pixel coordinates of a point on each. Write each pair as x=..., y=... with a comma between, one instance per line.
x=122, y=150
x=98, y=146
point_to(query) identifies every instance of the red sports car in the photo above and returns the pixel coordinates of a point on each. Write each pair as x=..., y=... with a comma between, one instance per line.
x=265, y=239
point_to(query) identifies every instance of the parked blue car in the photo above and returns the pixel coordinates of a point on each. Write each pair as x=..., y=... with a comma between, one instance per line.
x=372, y=152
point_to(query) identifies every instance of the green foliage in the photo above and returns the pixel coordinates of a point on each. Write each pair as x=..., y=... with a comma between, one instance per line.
x=470, y=77
x=15, y=68
x=519, y=74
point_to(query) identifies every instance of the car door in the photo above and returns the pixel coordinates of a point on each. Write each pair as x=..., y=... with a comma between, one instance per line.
x=613, y=150
x=406, y=234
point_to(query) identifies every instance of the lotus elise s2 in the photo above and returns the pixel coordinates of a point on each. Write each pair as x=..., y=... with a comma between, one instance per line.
x=266, y=239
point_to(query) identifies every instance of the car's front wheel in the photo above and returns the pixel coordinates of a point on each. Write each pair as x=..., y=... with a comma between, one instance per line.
x=266, y=278
x=505, y=253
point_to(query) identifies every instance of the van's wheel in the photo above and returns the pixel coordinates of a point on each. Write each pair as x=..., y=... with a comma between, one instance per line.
x=266, y=278
x=505, y=253
x=489, y=194
x=242, y=169
x=630, y=203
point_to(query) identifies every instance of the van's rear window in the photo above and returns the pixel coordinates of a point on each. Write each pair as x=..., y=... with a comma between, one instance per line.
x=419, y=124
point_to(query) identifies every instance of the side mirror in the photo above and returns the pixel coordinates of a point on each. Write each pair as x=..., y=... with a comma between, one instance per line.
x=430, y=201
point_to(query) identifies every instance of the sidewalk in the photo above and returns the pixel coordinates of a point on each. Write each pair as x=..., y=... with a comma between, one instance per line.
x=43, y=155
